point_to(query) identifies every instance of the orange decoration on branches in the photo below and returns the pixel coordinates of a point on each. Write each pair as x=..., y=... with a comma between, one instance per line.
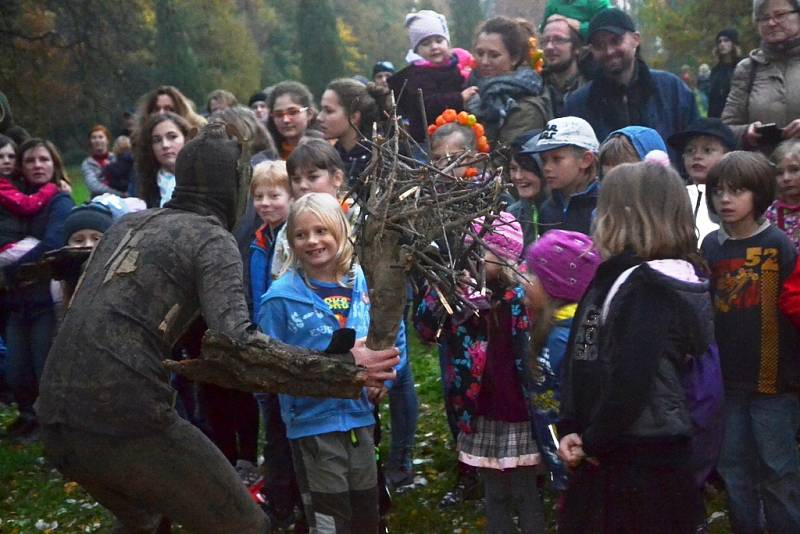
x=535, y=55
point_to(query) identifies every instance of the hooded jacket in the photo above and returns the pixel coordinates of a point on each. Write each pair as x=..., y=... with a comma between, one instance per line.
x=643, y=139
x=618, y=388
x=293, y=313
x=573, y=213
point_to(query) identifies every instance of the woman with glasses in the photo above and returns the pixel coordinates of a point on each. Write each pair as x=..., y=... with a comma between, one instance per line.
x=292, y=111
x=764, y=85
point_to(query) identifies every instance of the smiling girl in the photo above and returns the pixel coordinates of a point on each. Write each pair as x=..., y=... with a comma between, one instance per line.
x=331, y=439
x=292, y=111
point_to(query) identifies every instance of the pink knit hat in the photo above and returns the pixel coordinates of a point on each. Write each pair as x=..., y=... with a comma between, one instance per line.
x=564, y=262
x=425, y=23
x=505, y=238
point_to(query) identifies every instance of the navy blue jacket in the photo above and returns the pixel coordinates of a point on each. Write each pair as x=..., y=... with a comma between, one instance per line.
x=659, y=100
x=574, y=213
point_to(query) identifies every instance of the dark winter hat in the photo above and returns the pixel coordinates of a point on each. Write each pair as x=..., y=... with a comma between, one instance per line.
x=712, y=127
x=90, y=216
x=612, y=20
x=257, y=97
x=383, y=66
x=528, y=160
x=731, y=33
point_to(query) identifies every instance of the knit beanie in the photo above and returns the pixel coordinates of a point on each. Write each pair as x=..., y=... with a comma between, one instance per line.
x=731, y=33
x=564, y=262
x=90, y=216
x=504, y=240
x=423, y=24
x=257, y=97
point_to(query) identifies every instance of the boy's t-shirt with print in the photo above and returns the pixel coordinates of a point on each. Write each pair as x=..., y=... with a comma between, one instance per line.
x=336, y=297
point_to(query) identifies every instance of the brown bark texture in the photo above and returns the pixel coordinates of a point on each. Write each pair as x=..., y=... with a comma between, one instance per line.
x=265, y=365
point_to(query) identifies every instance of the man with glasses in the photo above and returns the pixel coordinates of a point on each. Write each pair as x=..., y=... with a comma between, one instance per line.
x=561, y=45
x=626, y=91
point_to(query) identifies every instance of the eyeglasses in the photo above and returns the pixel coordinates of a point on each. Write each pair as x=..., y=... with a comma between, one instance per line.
x=778, y=18
x=556, y=41
x=289, y=112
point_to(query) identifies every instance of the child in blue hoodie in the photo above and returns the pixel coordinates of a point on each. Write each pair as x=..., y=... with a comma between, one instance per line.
x=331, y=439
x=628, y=145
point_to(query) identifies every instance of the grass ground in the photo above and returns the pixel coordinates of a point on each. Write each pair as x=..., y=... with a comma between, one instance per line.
x=35, y=498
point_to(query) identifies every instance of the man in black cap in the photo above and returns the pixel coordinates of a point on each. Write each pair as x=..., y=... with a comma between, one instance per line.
x=106, y=406
x=626, y=92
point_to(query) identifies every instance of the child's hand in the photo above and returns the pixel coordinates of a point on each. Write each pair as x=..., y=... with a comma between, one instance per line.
x=570, y=450
x=468, y=93
x=376, y=395
x=64, y=187
x=379, y=363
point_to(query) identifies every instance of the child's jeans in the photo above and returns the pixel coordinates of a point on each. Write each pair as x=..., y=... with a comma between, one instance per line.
x=404, y=410
x=759, y=461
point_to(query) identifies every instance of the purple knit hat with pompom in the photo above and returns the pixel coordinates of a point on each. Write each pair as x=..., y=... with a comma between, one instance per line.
x=505, y=238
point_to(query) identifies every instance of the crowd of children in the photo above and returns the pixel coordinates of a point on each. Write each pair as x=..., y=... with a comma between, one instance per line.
x=637, y=330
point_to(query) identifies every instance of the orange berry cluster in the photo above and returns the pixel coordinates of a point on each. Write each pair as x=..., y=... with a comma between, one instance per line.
x=464, y=119
x=535, y=55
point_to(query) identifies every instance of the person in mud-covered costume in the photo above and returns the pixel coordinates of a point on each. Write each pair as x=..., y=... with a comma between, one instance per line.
x=106, y=408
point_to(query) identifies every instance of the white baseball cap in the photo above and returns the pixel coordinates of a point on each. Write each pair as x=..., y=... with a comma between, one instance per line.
x=564, y=131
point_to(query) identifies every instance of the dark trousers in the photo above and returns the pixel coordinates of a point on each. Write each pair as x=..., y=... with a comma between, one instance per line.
x=280, y=484
x=627, y=495
x=176, y=474
x=233, y=418
x=28, y=337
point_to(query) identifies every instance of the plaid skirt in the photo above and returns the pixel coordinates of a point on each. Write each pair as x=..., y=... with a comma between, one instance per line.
x=498, y=445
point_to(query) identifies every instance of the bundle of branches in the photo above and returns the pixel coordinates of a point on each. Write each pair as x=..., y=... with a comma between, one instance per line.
x=414, y=219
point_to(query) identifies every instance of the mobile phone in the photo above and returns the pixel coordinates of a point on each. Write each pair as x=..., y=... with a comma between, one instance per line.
x=770, y=133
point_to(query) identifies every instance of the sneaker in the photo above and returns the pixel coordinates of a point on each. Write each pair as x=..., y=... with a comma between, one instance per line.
x=399, y=480
x=467, y=488
x=248, y=472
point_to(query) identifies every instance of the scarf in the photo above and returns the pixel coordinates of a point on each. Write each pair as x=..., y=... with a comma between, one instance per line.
x=497, y=96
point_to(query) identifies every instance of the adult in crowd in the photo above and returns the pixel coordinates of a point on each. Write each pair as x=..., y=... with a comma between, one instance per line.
x=561, y=45
x=160, y=141
x=105, y=404
x=258, y=103
x=29, y=308
x=764, y=85
x=220, y=99
x=382, y=71
x=8, y=127
x=163, y=99
x=348, y=112
x=99, y=158
x=727, y=53
x=626, y=91
x=291, y=113
x=511, y=98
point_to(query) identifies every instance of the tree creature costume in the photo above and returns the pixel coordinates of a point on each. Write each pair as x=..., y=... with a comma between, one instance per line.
x=106, y=408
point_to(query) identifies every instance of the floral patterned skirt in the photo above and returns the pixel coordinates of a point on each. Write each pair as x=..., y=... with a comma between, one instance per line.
x=498, y=445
